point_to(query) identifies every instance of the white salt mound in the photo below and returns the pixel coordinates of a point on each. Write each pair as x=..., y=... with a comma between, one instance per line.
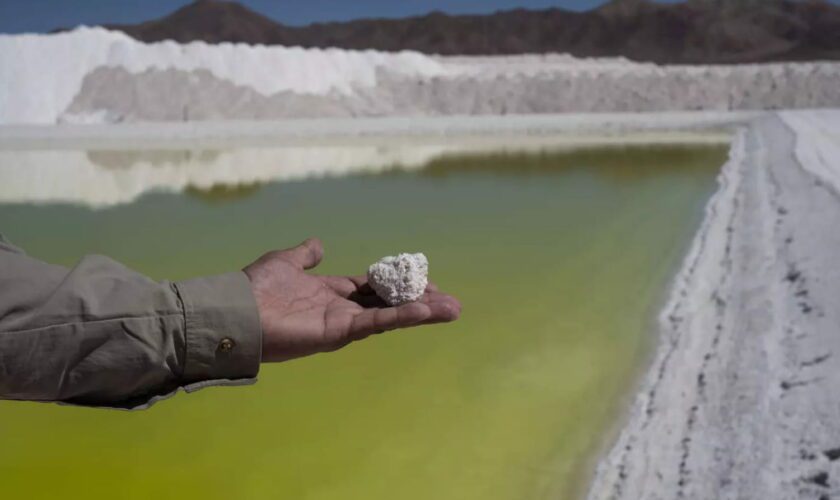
x=92, y=75
x=41, y=74
x=401, y=279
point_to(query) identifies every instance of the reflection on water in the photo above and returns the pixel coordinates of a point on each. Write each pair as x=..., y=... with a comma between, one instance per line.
x=560, y=259
x=621, y=163
x=223, y=193
x=102, y=178
x=117, y=159
x=107, y=178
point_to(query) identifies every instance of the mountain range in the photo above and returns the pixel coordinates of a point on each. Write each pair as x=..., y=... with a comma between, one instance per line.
x=691, y=32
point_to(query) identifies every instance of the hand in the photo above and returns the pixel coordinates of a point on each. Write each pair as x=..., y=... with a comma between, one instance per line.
x=303, y=314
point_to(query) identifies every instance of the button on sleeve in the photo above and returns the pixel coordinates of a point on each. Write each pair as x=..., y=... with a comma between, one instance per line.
x=223, y=333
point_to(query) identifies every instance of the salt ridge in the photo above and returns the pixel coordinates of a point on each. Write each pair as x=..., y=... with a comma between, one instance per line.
x=92, y=75
x=41, y=74
x=737, y=399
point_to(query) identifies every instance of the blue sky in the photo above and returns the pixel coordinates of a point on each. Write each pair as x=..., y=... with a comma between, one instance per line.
x=18, y=16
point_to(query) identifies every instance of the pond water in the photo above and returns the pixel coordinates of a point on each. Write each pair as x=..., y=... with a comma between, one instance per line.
x=561, y=259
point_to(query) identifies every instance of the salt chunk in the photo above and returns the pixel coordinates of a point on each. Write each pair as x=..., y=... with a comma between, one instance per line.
x=401, y=279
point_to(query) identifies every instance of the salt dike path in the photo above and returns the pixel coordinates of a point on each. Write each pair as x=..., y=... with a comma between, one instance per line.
x=742, y=399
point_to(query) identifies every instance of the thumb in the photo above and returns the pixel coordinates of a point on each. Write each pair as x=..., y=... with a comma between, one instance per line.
x=306, y=255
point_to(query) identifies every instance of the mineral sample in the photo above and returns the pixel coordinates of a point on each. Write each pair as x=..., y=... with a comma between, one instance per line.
x=401, y=279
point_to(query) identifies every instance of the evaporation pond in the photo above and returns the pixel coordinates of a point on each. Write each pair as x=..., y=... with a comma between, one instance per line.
x=561, y=259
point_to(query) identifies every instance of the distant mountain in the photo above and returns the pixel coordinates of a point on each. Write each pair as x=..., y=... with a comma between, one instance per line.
x=212, y=22
x=695, y=31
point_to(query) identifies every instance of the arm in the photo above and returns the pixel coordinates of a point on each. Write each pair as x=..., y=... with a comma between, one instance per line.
x=101, y=334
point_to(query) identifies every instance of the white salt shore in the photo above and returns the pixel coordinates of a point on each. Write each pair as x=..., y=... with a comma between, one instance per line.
x=741, y=399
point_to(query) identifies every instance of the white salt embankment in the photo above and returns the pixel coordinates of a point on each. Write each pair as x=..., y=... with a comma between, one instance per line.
x=742, y=398
x=42, y=74
x=91, y=75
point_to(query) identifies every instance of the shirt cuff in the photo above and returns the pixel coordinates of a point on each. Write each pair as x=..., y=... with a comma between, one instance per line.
x=223, y=332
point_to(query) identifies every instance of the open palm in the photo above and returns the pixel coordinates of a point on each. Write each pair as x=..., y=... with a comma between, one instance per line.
x=303, y=314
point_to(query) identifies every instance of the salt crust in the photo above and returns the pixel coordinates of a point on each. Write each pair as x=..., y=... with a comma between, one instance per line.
x=401, y=279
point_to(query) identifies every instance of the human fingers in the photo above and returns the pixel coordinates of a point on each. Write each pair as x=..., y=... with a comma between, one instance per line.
x=357, y=286
x=429, y=310
x=383, y=319
x=441, y=298
x=445, y=308
x=363, y=287
x=367, y=298
x=372, y=300
x=306, y=255
x=346, y=286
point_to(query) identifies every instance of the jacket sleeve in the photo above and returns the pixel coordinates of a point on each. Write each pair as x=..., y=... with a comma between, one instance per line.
x=100, y=334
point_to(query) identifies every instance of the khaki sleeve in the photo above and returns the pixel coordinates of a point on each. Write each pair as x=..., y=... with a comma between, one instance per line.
x=100, y=334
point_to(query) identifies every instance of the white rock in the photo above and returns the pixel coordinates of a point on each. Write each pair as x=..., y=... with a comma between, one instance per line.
x=401, y=279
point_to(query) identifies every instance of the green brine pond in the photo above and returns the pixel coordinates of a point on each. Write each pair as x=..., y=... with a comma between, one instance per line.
x=561, y=258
